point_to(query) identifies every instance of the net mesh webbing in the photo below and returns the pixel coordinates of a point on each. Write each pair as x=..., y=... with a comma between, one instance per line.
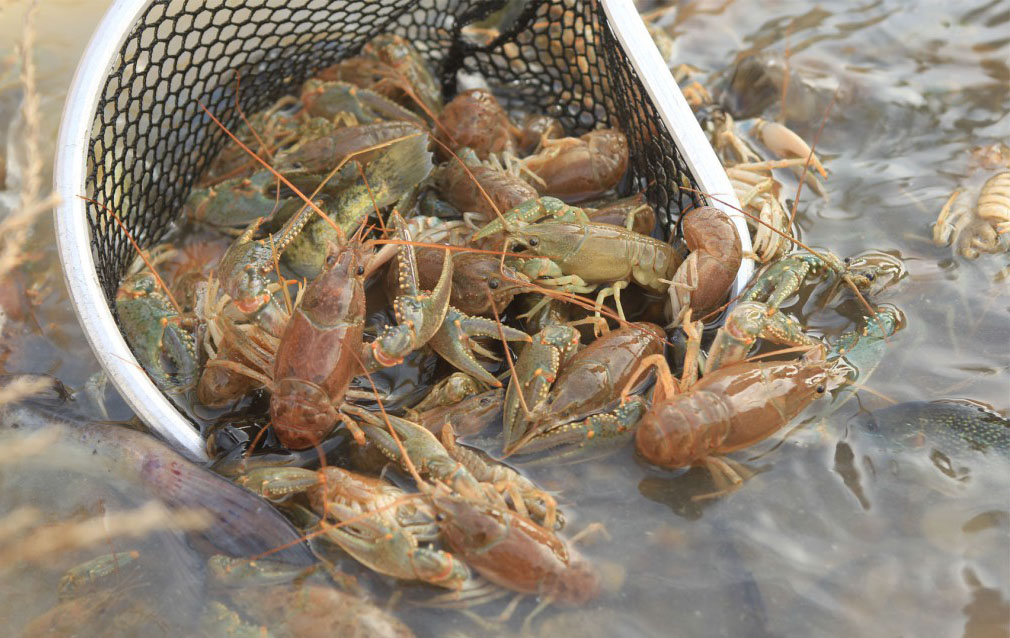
x=151, y=140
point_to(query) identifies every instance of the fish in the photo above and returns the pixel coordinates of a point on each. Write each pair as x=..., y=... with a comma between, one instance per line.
x=954, y=427
x=243, y=524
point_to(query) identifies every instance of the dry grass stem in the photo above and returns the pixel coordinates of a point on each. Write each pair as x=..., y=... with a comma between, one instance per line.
x=16, y=227
x=41, y=543
x=23, y=387
x=15, y=523
x=23, y=447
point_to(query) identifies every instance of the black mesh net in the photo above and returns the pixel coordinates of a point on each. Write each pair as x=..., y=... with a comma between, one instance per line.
x=151, y=139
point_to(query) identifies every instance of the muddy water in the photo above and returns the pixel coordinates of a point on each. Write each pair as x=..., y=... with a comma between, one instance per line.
x=837, y=533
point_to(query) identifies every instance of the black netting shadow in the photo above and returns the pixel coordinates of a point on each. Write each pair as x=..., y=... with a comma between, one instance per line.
x=151, y=140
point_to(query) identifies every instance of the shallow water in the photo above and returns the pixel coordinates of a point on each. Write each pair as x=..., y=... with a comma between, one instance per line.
x=837, y=534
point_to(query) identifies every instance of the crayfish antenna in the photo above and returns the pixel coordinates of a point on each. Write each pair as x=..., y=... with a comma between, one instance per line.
x=421, y=485
x=143, y=255
x=512, y=369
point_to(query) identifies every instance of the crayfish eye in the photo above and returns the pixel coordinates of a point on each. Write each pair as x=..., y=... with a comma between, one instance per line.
x=820, y=389
x=847, y=260
x=361, y=270
x=440, y=517
x=493, y=283
x=331, y=259
x=870, y=276
x=534, y=241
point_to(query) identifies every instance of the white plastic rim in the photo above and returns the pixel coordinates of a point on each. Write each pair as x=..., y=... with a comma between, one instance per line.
x=74, y=236
x=680, y=121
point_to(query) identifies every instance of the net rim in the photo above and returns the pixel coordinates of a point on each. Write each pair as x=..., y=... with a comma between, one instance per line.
x=681, y=123
x=73, y=235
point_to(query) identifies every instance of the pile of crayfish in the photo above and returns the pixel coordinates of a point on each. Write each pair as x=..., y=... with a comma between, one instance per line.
x=364, y=224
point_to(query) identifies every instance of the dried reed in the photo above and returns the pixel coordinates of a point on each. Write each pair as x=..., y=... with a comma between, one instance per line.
x=24, y=541
x=16, y=227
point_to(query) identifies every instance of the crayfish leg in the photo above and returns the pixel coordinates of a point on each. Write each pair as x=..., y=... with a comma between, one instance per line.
x=689, y=376
x=244, y=370
x=589, y=530
x=527, y=626
x=353, y=428
x=727, y=474
x=473, y=593
x=614, y=291
x=599, y=324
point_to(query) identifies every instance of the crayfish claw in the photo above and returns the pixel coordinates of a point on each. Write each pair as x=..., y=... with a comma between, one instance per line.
x=594, y=436
x=407, y=276
x=536, y=369
x=454, y=343
x=419, y=316
x=158, y=334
